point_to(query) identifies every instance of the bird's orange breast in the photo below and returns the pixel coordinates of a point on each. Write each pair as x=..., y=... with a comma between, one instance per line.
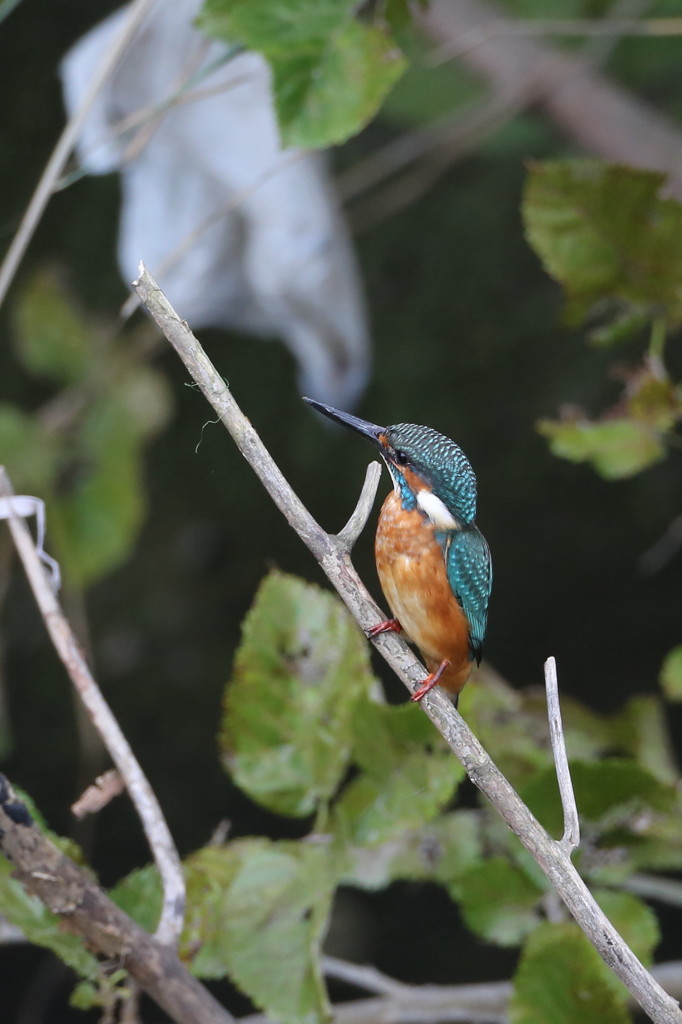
x=412, y=573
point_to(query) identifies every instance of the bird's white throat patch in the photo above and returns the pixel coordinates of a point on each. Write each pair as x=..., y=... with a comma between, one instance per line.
x=434, y=508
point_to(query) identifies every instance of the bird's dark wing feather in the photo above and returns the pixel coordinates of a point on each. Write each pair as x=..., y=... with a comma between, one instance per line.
x=470, y=575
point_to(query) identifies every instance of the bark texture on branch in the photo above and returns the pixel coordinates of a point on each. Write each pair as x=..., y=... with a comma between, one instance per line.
x=85, y=909
x=334, y=560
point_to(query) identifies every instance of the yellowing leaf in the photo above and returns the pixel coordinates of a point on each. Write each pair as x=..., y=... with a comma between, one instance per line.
x=301, y=666
x=616, y=448
x=605, y=233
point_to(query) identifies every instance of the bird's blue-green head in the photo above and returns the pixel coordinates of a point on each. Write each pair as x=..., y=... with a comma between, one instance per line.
x=428, y=469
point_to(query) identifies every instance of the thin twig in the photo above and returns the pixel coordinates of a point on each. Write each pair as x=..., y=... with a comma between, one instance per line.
x=65, y=144
x=171, y=259
x=571, y=838
x=655, y=887
x=547, y=27
x=601, y=117
x=335, y=563
x=483, y=1003
x=99, y=794
x=358, y=520
x=361, y=976
x=141, y=793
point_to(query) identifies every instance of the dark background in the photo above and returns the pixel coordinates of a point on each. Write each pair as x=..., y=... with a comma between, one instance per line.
x=467, y=338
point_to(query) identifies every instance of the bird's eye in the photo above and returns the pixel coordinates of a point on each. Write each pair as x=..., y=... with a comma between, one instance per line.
x=400, y=457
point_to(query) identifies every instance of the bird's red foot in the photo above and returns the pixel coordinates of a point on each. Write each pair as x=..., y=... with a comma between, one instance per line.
x=387, y=626
x=430, y=681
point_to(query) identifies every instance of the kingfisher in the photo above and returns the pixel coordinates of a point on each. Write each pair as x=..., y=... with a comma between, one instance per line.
x=433, y=562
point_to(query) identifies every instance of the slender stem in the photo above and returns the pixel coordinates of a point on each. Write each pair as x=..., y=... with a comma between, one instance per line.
x=99, y=794
x=334, y=561
x=655, y=887
x=141, y=793
x=367, y=978
x=358, y=520
x=60, y=154
x=571, y=837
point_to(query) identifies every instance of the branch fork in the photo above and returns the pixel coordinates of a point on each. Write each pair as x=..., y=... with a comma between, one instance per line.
x=46, y=872
x=332, y=553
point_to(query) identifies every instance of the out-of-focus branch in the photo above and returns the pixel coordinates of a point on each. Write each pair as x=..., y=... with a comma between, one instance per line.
x=602, y=117
x=141, y=793
x=395, y=1003
x=550, y=855
x=70, y=893
x=55, y=165
x=99, y=794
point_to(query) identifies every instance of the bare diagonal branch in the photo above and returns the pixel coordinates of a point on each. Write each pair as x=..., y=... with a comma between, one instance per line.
x=335, y=562
x=141, y=793
x=70, y=893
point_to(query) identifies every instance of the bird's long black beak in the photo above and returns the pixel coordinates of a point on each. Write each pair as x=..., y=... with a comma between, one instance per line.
x=369, y=430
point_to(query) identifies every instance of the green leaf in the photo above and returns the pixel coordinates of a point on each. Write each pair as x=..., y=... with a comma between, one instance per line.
x=324, y=98
x=440, y=851
x=635, y=921
x=640, y=730
x=671, y=674
x=140, y=895
x=28, y=451
x=561, y=978
x=426, y=96
x=272, y=26
x=257, y=911
x=655, y=846
x=331, y=72
x=109, y=991
x=506, y=721
x=616, y=448
x=609, y=791
x=52, y=338
x=626, y=324
x=498, y=901
x=302, y=664
x=652, y=399
x=98, y=519
x=408, y=774
x=604, y=232
x=42, y=927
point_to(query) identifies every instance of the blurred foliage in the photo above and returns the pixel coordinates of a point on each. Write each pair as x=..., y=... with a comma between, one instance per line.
x=331, y=70
x=671, y=674
x=305, y=731
x=561, y=978
x=82, y=451
x=379, y=809
x=615, y=245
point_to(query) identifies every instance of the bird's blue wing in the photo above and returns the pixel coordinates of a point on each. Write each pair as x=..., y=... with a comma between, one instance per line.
x=470, y=574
